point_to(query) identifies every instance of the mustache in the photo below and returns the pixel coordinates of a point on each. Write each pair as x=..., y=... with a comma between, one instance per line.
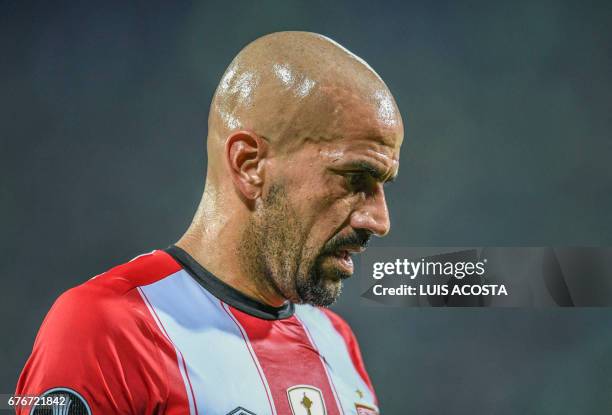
x=358, y=238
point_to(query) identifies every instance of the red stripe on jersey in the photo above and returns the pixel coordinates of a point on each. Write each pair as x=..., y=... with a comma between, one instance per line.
x=351, y=345
x=248, y=344
x=287, y=358
x=325, y=367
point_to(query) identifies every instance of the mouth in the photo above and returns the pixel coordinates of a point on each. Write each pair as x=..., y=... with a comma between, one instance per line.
x=343, y=257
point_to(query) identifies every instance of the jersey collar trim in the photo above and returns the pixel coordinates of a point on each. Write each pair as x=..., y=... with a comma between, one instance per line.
x=227, y=293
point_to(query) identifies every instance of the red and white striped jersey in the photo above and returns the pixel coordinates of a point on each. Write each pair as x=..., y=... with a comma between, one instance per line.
x=162, y=335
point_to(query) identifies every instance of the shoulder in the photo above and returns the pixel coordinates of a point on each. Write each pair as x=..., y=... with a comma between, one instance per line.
x=111, y=296
x=100, y=334
x=325, y=319
x=338, y=322
x=352, y=345
x=143, y=270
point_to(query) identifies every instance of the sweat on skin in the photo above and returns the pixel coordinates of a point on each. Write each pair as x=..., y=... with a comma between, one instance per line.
x=302, y=136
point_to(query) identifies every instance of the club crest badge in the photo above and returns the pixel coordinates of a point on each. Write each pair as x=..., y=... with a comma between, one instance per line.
x=306, y=400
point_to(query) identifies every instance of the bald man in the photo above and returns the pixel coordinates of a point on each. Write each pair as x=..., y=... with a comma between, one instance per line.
x=302, y=137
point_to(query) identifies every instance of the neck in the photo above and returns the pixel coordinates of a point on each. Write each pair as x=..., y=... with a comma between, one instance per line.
x=215, y=241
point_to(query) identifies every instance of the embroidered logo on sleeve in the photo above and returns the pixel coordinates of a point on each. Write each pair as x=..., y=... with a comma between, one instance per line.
x=61, y=401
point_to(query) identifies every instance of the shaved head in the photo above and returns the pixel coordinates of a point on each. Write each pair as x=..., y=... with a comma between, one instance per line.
x=292, y=86
x=302, y=136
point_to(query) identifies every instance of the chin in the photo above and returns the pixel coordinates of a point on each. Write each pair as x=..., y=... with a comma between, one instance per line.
x=323, y=294
x=332, y=290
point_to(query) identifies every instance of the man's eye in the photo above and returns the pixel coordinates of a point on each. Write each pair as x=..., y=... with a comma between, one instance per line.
x=358, y=181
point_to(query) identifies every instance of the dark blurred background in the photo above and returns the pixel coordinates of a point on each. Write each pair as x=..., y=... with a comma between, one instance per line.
x=507, y=106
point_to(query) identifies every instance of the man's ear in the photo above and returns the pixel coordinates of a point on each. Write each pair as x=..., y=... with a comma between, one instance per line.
x=245, y=154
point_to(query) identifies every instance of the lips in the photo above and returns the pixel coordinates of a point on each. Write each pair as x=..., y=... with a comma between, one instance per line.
x=344, y=259
x=350, y=249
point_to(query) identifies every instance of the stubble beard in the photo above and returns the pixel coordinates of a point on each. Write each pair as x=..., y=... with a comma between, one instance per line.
x=273, y=254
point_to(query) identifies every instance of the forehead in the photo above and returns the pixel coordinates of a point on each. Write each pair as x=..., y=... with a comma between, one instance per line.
x=360, y=129
x=372, y=149
x=349, y=119
x=366, y=113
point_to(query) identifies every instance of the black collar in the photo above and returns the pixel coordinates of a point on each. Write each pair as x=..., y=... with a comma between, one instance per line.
x=227, y=293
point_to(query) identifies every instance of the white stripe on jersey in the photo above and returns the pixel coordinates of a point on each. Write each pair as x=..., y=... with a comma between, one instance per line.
x=219, y=364
x=179, y=355
x=339, y=364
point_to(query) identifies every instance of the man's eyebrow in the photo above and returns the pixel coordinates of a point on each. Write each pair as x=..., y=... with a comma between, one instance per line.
x=373, y=170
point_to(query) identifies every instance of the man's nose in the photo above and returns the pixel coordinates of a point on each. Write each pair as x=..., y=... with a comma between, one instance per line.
x=372, y=213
